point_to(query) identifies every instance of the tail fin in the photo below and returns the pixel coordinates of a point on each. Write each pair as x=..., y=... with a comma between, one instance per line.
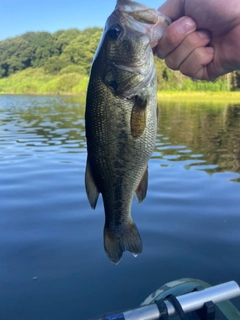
x=123, y=238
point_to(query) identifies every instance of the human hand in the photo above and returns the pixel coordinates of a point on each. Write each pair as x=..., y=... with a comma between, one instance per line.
x=203, y=42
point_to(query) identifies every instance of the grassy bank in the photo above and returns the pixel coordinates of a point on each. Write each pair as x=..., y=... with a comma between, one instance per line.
x=191, y=96
x=36, y=81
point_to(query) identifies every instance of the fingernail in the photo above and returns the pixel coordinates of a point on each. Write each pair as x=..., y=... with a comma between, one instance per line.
x=210, y=49
x=187, y=25
x=204, y=34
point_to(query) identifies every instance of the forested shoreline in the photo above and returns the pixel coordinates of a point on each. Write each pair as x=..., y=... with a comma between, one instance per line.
x=59, y=63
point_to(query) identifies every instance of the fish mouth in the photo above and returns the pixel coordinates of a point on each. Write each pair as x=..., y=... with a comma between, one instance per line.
x=144, y=20
x=141, y=26
x=129, y=6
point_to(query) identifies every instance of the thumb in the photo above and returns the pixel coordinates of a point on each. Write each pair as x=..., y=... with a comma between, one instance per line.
x=173, y=9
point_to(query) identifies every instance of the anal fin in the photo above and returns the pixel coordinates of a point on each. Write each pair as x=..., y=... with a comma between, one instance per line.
x=141, y=191
x=91, y=188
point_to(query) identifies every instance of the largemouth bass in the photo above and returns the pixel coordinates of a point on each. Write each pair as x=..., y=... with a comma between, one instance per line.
x=121, y=120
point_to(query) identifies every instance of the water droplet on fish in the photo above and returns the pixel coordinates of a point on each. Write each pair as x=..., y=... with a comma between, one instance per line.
x=34, y=278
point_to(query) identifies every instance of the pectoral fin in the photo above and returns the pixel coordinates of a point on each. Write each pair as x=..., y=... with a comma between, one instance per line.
x=141, y=191
x=138, y=116
x=91, y=188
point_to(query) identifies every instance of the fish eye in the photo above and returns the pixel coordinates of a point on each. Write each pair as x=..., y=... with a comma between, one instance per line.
x=115, y=31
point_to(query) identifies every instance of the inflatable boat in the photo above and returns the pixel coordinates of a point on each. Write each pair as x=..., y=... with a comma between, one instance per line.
x=185, y=299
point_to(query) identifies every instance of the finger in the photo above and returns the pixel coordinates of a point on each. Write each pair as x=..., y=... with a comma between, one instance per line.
x=174, y=35
x=195, y=65
x=173, y=9
x=189, y=44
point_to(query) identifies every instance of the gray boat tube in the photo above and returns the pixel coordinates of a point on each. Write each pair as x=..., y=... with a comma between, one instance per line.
x=189, y=302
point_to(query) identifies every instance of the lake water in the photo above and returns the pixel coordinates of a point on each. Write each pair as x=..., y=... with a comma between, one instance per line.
x=52, y=261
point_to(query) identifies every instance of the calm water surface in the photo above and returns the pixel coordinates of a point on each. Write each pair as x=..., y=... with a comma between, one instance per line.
x=52, y=261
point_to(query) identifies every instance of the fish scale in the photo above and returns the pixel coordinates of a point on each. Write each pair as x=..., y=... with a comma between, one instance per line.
x=121, y=126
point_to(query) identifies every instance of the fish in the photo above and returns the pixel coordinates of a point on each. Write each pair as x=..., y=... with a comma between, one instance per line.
x=121, y=119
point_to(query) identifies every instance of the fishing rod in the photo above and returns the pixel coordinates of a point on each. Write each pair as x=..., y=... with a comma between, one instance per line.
x=171, y=306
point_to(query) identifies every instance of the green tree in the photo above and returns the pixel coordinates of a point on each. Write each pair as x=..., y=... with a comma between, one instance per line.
x=81, y=50
x=55, y=64
x=42, y=46
x=15, y=54
x=64, y=37
x=235, y=80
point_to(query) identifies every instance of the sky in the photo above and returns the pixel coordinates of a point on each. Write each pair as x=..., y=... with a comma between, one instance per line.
x=20, y=16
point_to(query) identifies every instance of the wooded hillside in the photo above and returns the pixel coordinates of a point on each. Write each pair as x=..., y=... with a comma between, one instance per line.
x=60, y=61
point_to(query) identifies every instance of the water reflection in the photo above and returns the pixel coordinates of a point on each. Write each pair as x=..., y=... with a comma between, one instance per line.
x=200, y=136
x=42, y=124
x=203, y=136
